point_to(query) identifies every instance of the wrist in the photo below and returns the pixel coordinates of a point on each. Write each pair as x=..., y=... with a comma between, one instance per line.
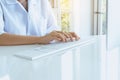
x=38, y=40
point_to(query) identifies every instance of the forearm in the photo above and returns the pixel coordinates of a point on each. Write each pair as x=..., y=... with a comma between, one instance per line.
x=10, y=39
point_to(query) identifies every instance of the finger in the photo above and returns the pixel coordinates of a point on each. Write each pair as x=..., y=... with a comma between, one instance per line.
x=66, y=34
x=70, y=36
x=56, y=38
x=59, y=35
x=62, y=37
x=75, y=35
x=59, y=31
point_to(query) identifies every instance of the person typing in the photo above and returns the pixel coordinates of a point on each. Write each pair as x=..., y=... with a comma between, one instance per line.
x=29, y=22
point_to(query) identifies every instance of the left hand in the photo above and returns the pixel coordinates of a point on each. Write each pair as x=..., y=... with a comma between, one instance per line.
x=69, y=35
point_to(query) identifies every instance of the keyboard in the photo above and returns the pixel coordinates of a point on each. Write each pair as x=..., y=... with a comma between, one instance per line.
x=50, y=49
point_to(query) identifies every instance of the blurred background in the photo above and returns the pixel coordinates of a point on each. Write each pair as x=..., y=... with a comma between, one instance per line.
x=95, y=58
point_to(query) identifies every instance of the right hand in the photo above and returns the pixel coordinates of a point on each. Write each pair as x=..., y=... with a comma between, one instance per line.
x=59, y=36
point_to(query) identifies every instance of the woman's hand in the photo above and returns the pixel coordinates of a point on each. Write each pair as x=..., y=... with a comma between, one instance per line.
x=59, y=36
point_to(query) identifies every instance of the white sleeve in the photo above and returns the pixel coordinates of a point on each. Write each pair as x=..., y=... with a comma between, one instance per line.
x=1, y=21
x=51, y=20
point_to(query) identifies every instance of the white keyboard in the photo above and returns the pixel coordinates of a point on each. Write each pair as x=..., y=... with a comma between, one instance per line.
x=49, y=49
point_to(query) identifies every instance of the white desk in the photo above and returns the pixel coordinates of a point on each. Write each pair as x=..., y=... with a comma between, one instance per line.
x=77, y=60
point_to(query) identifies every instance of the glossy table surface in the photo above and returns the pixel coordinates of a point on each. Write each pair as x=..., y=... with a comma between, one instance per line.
x=32, y=52
x=78, y=60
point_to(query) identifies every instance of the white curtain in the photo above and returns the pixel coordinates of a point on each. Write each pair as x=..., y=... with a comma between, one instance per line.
x=83, y=17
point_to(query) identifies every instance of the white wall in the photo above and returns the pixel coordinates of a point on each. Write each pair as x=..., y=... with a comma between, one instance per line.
x=83, y=17
x=113, y=64
x=113, y=57
x=113, y=23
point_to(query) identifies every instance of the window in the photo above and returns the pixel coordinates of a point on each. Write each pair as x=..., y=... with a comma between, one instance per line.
x=66, y=13
x=63, y=12
x=100, y=21
x=104, y=20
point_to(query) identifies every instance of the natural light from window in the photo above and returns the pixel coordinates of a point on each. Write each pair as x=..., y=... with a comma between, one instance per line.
x=65, y=6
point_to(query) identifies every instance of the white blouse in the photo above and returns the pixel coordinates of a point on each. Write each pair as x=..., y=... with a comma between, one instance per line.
x=38, y=20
